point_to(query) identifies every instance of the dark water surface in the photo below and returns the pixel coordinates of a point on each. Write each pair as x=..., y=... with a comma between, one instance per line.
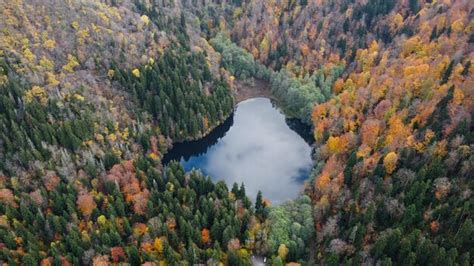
x=256, y=146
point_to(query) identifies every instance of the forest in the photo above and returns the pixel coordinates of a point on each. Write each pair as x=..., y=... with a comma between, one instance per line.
x=94, y=93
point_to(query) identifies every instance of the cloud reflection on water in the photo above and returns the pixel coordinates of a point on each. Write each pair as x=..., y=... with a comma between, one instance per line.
x=259, y=150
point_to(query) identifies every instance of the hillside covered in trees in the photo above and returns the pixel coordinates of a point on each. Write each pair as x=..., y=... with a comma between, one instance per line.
x=93, y=93
x=394, y=175
x=91, y=96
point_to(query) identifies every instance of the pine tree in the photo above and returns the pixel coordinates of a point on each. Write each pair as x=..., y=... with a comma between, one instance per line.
x=259, y=206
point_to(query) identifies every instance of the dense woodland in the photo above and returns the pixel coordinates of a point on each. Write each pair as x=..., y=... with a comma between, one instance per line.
x=393, y=177
x=93, y=93
x=183, y=98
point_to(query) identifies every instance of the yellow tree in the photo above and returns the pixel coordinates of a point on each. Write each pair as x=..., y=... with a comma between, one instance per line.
x=390, y=162
x=136, y=72
x=158, y=245
x=282, y=251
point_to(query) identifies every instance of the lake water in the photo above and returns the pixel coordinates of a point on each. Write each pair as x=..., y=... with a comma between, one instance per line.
x=256, y=146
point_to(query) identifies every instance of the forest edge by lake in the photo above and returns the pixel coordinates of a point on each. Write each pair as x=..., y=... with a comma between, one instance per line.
x=256, y=146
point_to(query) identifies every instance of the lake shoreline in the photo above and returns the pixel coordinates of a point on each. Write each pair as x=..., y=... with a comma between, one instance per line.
x=251, y=88
x=244, y=90
x=254, y=146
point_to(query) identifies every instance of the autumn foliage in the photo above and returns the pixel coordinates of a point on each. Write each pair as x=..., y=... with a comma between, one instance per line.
x=391, y=115
x=85, y=203
x=205, y=236
x=93, y=94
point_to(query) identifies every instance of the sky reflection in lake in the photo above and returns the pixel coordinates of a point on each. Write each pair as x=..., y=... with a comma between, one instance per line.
x=259, y=150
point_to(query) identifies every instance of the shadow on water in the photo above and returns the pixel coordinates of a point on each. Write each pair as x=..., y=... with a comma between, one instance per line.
x=304, y=130
x=185, y=150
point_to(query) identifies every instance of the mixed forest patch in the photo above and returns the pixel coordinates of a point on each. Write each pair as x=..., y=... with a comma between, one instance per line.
x=93, y=93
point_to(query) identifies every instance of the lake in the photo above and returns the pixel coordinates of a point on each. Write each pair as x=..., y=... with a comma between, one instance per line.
x=257, y=146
